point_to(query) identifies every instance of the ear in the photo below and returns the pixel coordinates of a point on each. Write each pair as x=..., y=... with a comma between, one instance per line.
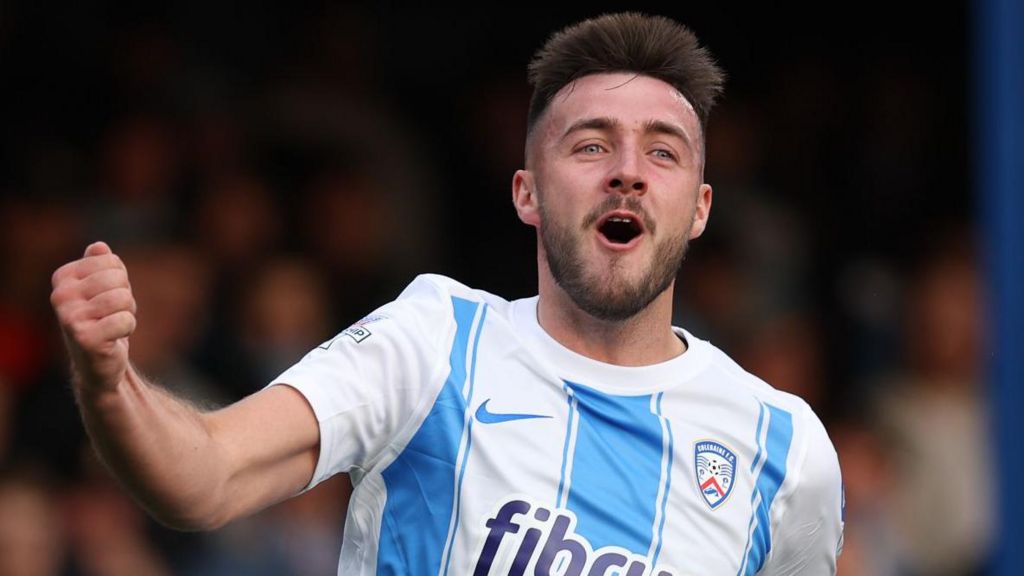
x=702, y=211
x=524, y=197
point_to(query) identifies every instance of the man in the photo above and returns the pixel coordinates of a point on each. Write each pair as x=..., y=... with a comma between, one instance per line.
x=575, y=433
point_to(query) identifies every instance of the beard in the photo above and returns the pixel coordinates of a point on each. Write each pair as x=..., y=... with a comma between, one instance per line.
x=616, y=297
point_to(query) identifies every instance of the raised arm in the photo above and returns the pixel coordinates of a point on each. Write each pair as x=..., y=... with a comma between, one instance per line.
x=190, y=469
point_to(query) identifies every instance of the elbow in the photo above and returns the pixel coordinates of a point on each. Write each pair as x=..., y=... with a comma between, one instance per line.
x=189, y=520
x=198, y=513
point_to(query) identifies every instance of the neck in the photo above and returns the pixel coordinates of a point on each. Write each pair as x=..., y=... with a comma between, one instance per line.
x=643, y=339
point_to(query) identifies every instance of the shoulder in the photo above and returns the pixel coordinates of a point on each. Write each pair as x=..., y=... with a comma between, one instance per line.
x=737, y=380
x=806, y=517
x=433, y=295
x=437, y=301
x=442, y=290
x=812, y=454
x=428, y=310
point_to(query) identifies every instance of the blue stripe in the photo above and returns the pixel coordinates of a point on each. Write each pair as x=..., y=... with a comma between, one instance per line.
x=565, y=447
x=616, y=469
x=668, y=481
x=421, y=481
x=469, y=439
x=773, y=473
x=753, y=494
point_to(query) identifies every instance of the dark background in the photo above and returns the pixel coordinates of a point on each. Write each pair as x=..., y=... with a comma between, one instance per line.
x=378, y=141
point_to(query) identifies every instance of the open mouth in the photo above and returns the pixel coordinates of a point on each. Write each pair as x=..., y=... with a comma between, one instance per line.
x=620, y=228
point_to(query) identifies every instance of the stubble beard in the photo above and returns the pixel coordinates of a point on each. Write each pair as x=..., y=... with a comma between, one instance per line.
x=613, y=298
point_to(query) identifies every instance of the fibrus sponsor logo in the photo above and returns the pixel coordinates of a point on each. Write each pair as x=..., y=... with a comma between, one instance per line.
x=525, y=538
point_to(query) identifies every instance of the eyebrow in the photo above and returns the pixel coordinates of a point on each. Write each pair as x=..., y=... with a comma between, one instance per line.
x=650, y=127
x=668, y=129
x=591, y=124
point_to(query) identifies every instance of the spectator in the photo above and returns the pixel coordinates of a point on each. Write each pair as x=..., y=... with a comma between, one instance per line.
x=935, y=422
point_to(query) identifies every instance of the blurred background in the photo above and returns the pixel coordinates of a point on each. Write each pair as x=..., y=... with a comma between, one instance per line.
x=271, y=173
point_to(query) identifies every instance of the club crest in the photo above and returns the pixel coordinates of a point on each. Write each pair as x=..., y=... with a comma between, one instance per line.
x=716, y=471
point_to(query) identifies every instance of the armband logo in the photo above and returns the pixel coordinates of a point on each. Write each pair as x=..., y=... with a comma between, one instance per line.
x=358, y=331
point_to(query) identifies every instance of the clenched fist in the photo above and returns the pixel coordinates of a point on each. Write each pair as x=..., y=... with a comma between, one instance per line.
x=96, y=310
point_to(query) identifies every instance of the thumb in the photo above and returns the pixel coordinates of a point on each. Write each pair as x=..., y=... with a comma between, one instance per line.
x=97, y=249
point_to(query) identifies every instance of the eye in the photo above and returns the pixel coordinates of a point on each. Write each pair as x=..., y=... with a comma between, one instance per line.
x=664, y=154
x=592, y=149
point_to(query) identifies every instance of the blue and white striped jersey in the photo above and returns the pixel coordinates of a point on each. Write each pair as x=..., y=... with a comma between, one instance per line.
x=479, y=445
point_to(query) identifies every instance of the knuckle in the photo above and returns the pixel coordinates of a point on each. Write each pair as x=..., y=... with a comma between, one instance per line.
x=78, y=333
x=61, y=295
x=114, y=277
x=114, y=297
x=121, y=299
x=61, y=274
x=97, y=283
x=122, y=324
x=90, y=343
x=63, y=314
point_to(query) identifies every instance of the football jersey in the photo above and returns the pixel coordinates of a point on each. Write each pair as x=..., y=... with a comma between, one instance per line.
x=477, y=444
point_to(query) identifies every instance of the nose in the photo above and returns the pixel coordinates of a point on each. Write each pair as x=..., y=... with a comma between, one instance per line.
x=625, y=177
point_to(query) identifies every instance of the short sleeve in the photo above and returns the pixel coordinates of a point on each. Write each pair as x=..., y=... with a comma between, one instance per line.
x=370, y=381
x=808, y=537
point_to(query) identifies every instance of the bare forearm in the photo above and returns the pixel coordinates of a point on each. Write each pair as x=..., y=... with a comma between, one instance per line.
x=191, y=470
x=159, y=447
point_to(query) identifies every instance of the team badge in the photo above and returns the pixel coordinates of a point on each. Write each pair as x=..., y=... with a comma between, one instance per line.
x=716, y=471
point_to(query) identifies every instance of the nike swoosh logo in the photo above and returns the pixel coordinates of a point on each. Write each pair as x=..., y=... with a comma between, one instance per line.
x=487, y=417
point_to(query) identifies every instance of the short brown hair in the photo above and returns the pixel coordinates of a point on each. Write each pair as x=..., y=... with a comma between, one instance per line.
x=653, y=46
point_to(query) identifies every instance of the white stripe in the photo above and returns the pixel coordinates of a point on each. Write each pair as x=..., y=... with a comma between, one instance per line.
x=574, y=427
x=570, y=452
x=467, y=417
x=763, y=439
x=662, y=483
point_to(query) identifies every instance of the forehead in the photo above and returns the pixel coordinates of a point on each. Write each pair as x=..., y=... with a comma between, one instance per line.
x=632, y=99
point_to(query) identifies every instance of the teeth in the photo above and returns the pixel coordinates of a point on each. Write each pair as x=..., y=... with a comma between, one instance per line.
x=620, y=219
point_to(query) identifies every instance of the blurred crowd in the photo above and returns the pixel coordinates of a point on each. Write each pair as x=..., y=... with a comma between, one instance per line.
x=270, y=185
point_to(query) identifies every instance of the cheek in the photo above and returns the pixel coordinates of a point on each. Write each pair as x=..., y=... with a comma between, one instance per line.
x=557, y=214
x=677, y=211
